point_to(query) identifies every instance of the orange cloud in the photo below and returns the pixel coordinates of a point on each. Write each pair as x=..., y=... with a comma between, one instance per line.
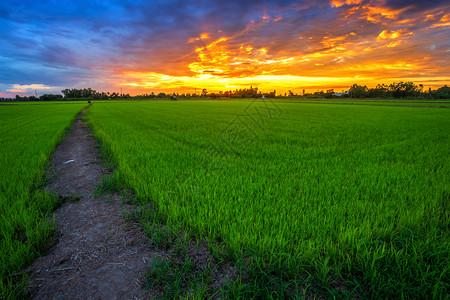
x=444, y=21
x=375, y=13
x=431, y=18
x=347, y=54
x=445, y=18
x=395, y=44
x=386, y=66
x=440, y=25
x=331, y=42
x=222, y=57
x=338, y=3
x=203, y=36
x=388, y=34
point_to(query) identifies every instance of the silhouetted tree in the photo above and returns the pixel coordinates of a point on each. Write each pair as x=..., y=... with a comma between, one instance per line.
x=358, y=91
x=442, y=93
x=50, y=97
x=329, y=93
x=403, y=89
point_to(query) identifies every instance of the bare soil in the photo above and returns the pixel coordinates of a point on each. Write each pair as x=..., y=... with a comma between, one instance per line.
x=97, y=254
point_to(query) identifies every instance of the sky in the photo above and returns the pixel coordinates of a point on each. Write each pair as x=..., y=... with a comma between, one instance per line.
x=184, y=46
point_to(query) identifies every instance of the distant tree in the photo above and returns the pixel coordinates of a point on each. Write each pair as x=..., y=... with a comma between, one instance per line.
x=329, y=93
x=50, y=97
x=213, y=95
x=272, y=94
x=442, y=93
x=403, y=89
x=204, y=92
x=319, y=94
x=358, y=91
x=381, y=91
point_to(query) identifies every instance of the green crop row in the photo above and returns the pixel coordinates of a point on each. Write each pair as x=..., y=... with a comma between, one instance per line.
x=28, y=136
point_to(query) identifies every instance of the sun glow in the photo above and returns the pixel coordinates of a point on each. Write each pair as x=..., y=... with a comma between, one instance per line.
x=226, y=45
x=221, y=62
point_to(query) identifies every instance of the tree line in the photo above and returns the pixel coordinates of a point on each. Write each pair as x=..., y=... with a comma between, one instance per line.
x=70, y=94
x=398, y=90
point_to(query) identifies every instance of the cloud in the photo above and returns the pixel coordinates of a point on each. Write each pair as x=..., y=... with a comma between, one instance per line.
x=339, y=3
x=105, y=44
x=15, y=91
x=394, y=34
x=11, y=90
x=31, y=86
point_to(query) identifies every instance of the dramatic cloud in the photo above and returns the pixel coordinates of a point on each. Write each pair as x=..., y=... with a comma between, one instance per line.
x=183, y=45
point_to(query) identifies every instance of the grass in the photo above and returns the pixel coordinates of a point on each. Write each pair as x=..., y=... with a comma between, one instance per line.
x=172, y=277
x=374, y=101
x=354, y=197
x=28, y=135
x=110, y=184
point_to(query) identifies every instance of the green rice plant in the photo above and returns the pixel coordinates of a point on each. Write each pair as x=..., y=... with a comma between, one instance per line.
x=110, y=184
x=28, y=135
x=354, y=196
x=160, y=236
x=176, y=276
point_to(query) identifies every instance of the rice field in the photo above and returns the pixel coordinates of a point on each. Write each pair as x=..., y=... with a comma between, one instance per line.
x=376, y=102
x=336, y=200
x=355, y=197
x=28, y=135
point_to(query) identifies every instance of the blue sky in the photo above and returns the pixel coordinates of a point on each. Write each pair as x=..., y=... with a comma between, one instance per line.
x=144, y=46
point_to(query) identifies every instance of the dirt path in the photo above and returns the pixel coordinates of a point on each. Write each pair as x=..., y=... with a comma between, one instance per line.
x=98, y=254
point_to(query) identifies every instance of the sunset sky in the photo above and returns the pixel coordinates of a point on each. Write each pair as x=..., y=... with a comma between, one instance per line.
x=177, y=46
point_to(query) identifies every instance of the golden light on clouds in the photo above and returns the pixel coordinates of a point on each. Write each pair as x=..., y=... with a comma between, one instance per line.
x=185, y=46
x=338, y=3
x=389, y=47
x=156, y=81
x=388, y=34
x=219, y=58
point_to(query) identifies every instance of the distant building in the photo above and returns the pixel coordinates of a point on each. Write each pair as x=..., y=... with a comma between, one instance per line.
x=340, y=94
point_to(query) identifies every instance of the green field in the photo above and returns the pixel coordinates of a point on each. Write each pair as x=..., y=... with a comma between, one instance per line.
x=308, y=199
x=355, y=197
x=28, y=136
x=376, y=102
